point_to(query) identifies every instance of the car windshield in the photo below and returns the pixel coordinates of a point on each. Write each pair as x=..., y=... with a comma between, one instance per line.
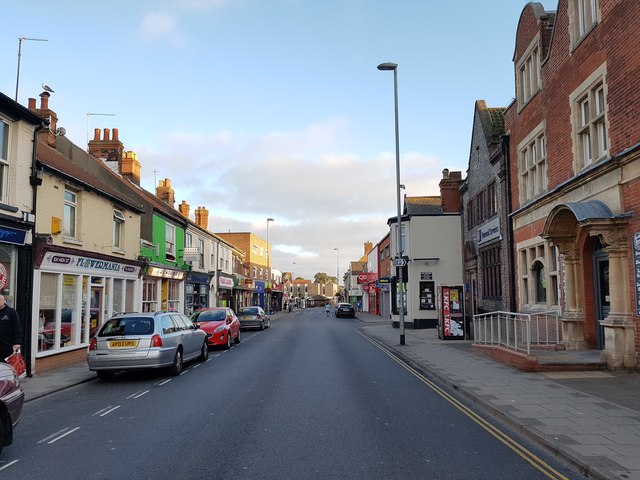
x=250, y=311
x=209, y=316
x=127, y=326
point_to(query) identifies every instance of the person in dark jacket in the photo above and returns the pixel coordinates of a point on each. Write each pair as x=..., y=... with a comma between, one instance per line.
x=10, y=330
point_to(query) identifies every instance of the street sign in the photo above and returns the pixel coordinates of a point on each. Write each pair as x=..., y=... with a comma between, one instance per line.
x=400, y=262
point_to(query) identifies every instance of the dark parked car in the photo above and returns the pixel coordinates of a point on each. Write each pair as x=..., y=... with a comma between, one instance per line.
x=345, y=310
x=133, y=341
x=11, y=402
x=253, y=317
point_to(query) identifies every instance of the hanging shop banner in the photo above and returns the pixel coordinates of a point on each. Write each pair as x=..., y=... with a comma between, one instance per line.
x=636, y=266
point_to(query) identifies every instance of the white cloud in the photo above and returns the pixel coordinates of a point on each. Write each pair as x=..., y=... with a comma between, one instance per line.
x=161, y=27
x=320, y=197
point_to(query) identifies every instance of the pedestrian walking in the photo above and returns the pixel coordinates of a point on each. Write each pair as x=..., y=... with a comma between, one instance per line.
x=10, y=330
x=327, y=309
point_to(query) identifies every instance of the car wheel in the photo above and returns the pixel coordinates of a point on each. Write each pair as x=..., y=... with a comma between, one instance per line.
x=262, y=325
x=105, y=374
x=228, y=345
x=204, y=354
x=176, y=368
x=237, y=339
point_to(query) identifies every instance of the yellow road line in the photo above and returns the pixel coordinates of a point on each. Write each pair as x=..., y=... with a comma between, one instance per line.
x=522, y=451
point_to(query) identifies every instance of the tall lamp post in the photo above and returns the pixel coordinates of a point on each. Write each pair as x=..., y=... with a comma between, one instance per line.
x=337, y=269
x=269, y=264
x=399, y=261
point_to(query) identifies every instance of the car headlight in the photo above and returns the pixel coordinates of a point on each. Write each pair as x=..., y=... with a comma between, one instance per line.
x=220, y=329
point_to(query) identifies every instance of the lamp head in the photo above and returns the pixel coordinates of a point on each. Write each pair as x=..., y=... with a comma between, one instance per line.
x=270, y=220
x=387, y=66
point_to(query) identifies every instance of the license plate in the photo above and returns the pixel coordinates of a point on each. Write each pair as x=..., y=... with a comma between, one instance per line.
x=123, y=343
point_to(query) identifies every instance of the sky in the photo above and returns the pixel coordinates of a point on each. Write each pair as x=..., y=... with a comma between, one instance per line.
x=258, y=109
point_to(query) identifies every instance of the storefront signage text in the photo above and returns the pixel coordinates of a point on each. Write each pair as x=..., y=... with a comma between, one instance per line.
x=165, y=273
x=489, y=231
x=78, y=264
x=225, y=282
x=12, y=235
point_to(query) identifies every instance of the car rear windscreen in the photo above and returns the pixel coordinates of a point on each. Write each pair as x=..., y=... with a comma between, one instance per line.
x=127, y=326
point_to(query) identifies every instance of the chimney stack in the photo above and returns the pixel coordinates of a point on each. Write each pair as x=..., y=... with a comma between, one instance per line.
x=107, y=149
x=450, y=191
x=165, y=193
x=202, y=217
x=130, y=166
x=46, y=113
x=183, y=208
x=368, y=246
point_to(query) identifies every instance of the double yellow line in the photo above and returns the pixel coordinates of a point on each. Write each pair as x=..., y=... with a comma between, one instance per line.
x=522, y=451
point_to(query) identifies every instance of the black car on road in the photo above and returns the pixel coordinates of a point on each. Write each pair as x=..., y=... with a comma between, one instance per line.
x=345, y=310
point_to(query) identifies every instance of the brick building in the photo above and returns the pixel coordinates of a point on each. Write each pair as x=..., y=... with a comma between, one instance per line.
x=487, y=237
x=574, y=155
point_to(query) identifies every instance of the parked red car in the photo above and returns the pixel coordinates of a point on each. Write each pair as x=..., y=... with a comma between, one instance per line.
x=11, y=402
x=219, y=323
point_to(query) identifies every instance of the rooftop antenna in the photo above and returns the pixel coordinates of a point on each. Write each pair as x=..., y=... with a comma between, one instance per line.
x=92, y=114
x=20, y=40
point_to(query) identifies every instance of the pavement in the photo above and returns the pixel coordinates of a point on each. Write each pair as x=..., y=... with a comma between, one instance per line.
x=590, y=419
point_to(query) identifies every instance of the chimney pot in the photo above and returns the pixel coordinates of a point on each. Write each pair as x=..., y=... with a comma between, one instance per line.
x=96, y=134
x=32, y=104
x=107, y=134
x=44, y=100
x=115, y=134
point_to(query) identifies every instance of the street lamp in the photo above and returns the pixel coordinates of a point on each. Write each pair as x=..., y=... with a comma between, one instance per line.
x=20, y=40
x=269, y=264
x=399, y=260
x=337, y=269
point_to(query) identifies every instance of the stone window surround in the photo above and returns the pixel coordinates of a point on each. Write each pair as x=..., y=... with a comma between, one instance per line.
x=528, y=255
x=587, y=88
x=575, y=34
x=530, y=59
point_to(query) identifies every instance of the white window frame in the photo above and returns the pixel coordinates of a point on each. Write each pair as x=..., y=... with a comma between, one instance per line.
x=531, y=253
x=5, y=142
x=532, y=164
x=589, y=120
x=118, y=226
x=170, y=239
x=70, y=222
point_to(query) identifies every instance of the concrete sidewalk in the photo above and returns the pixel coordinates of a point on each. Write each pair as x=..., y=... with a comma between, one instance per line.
x=591, y=419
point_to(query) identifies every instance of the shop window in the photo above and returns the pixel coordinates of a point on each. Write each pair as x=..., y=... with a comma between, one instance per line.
x=173, y=292
x=48, y=334
x=149, y=295
x=427, y=296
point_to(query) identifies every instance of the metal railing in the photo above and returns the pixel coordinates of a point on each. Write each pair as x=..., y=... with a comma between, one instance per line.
x=517, y=331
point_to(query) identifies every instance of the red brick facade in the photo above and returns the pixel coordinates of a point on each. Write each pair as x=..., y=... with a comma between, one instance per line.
x=587, y=206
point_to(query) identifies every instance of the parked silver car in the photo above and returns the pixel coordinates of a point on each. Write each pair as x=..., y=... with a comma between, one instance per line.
x=253, y=317
x=133, y=341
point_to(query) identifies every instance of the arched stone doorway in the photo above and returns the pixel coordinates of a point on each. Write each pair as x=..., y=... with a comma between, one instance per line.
x=597, y=297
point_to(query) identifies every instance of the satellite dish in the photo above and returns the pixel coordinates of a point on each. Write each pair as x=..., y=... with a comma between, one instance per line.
x=47, y=88
x=61, y=132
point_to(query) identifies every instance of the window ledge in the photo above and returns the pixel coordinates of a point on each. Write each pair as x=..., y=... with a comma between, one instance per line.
x=118, y=251
x=72, y=240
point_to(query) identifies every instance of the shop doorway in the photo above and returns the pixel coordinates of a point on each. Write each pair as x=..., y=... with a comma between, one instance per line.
x=96, y=309
x=602, y=299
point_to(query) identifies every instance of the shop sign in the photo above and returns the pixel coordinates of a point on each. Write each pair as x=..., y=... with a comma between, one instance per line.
x=63, y=262
x=365, y=277
x=225, y=282
x=4, y=278
x=489, y=231
x=191, y=254
x=355, y=292
x=259, y=287
x=248, y=283
x=636, y=265
x=165, y=273
x=12, y=235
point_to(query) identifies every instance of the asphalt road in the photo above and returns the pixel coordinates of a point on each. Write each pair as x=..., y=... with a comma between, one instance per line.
x=310, y=398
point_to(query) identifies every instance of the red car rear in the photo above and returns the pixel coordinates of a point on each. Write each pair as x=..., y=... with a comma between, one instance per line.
x=11, y=401
x=219, y=323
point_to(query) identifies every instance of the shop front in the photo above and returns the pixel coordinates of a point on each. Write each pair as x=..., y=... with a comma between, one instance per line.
x=258, y=294
x=15, y=272
x=225, y=289
x=198, y=288
x=242, y=292
x=163, y=288
x=73, y=295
